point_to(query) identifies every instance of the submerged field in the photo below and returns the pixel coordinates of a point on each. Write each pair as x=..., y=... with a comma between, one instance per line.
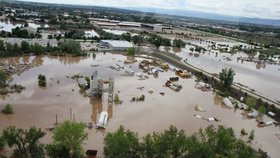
x=38, y=107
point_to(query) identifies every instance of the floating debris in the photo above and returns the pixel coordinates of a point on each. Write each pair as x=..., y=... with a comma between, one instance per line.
x=94, y=65
x=227, y=103
x=203, y=86
x=151, y=91
x=199, y=108
x=265, y=123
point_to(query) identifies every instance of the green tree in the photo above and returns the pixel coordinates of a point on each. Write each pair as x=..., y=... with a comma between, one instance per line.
x=68, y=139
x=2, y=143
x=3, y=79
x=170, y=143
x=121, y=144
x=26, y=24
x=42, y=80
x=8, y=109
x=37, y=49
x=227, y=77
x=50, y=36
x=71, y=47
x=158, y=42
x=251, y=103
x=179, y=43
x=126, y=36
x=25, y=47
x=130, y=51
x=2, y=46
x=211, y=142
x=262, y=110
x=25, y=142
x=137, y=40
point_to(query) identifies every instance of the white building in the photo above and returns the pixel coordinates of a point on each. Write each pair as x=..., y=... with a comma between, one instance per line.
x=116, y=45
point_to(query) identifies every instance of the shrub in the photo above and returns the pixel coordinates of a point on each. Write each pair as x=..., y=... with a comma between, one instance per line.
x=243, y=132
x=42, y=80
x=117, y=99
x=8, y=109
x=251, y=102
x=252, y=135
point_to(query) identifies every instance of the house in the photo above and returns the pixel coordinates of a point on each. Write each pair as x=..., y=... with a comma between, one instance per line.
x=30, y=30
x=116, y=45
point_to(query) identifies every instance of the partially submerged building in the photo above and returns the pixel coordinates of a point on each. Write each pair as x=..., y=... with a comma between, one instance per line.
x=116, y=45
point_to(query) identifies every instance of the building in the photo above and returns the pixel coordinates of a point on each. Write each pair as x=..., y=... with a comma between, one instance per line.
x=129, y=24
x=154, y=27
x=116, y=45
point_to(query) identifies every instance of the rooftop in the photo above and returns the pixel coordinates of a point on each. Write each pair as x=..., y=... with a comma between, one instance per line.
x=118, y=43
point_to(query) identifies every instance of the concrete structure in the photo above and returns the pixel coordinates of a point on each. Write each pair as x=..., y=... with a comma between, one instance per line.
x=116, y=45
x=106, y=24
x=129, y=24
x=154, y=27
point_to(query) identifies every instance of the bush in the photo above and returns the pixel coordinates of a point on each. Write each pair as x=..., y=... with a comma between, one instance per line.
x=42, y=80
x=251, y=102
x=2, y=143
x=243, y=132
x=8, y=109
x=262, y=109
x=252, y=135
x=117, y=99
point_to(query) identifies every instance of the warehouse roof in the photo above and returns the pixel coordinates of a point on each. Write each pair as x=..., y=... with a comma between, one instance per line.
x=118, y=43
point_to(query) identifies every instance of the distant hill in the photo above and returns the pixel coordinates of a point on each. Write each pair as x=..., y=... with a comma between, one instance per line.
x=212, y=16
x=185, y=13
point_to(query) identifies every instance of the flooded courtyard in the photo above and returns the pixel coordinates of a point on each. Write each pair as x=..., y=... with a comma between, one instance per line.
x=38, y=107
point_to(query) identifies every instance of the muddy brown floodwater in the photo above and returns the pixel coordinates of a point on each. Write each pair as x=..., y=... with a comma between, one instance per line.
x=262, y=77
x=38, y=106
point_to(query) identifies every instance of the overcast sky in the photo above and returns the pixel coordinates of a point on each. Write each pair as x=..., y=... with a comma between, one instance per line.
x=269, y=9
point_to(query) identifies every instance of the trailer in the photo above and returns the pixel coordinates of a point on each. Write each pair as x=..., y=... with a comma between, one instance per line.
x=103, y=119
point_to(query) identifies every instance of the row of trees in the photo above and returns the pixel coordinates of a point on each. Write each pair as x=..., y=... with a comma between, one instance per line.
x=67, y=142
x=20, y=33
x=65, y=47
x=69, y=137
x=3, y=79
x=211, y=142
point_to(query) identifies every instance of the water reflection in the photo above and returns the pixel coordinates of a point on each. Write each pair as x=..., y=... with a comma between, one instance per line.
x=97, y=107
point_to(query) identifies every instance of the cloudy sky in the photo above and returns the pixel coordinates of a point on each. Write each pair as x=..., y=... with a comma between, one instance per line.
x=268, y=9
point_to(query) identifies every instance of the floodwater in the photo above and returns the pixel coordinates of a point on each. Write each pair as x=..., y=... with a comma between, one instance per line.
x=262, y=77
x=8, y=26
x=38, y=106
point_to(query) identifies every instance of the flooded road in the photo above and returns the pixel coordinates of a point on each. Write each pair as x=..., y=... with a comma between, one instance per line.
x=262, y=77
x=38, y=107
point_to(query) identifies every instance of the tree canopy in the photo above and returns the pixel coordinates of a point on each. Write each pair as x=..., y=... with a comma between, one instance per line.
x=211, y=143
x=26, y=142
x=68, y=139
x=227, y=77
x=179, y=43
x=3, y=79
